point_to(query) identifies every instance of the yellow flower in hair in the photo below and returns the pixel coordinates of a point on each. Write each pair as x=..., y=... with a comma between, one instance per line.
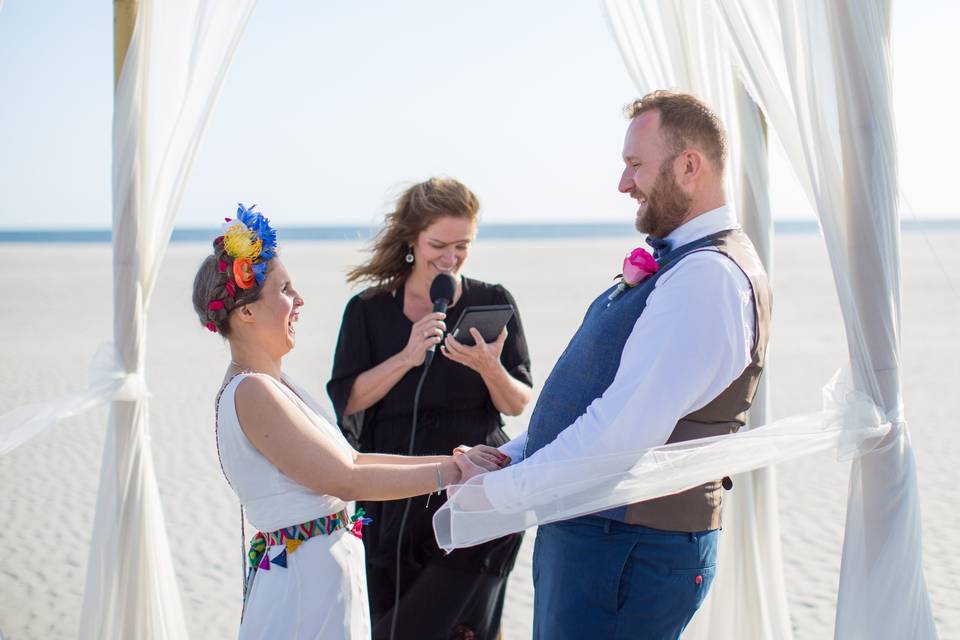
x=241, y=243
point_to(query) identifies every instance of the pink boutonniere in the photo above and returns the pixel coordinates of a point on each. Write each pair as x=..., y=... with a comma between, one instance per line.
x=637, y=267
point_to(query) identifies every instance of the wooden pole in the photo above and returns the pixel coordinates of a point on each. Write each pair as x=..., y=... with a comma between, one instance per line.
x=124, y=17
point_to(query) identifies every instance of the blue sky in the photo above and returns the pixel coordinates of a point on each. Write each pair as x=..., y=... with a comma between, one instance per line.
x=331, y=108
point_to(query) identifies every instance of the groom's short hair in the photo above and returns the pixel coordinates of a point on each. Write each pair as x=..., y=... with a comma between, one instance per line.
x=686, y=122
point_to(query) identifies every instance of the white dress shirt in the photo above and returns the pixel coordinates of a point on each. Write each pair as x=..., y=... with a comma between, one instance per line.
x=693, y=339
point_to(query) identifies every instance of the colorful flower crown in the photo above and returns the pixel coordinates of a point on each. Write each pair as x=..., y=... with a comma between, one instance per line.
x=251, y=243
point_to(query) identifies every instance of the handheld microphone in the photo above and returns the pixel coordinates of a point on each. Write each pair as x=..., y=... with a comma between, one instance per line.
x=442, y=291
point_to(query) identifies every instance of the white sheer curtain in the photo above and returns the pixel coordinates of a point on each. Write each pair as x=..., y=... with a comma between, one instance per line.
x=173, y=71
x=672, y=44
x=821, y=71
x=171, y=77
x=549, y=492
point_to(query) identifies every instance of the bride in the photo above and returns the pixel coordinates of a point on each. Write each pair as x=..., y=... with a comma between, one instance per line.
x=293, y=472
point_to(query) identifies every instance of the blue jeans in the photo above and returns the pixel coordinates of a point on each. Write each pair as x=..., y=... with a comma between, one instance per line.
x=603, y=579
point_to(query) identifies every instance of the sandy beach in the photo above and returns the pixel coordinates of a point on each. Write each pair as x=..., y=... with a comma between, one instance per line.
x=57, y=311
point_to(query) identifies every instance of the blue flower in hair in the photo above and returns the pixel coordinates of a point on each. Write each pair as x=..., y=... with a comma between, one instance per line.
x=260, y=225
x=260, y=272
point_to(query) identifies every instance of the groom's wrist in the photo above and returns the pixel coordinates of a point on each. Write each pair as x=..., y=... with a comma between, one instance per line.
x=501, y=490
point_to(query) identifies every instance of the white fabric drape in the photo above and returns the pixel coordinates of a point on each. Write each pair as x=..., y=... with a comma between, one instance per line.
x=817, y=68
x=820, y=69
x=174, y=68
x=555, y=492
x=107, y=382
x=172, y=75
x=673, y=44
x=850, y=422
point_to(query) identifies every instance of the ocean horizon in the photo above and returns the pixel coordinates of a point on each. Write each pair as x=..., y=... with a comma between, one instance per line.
x=519, y=231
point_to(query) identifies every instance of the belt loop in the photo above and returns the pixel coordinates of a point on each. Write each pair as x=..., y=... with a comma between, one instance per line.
x=693, y=537
x=606, y=525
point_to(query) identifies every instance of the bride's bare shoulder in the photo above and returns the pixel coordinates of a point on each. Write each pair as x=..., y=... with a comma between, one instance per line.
x=255, y=388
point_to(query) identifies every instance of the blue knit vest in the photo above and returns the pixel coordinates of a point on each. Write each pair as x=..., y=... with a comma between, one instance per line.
x=589, y=363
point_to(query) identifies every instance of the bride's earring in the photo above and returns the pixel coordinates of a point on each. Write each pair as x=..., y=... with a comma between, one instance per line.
x=409, y=257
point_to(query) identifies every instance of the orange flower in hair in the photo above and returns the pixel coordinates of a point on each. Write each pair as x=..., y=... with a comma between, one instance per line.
x=243, y=273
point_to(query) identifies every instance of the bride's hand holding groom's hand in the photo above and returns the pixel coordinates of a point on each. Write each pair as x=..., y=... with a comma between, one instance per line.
x=468, y=462
x=474, y=461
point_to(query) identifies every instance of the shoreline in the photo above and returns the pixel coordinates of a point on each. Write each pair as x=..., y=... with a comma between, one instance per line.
x=508, y=232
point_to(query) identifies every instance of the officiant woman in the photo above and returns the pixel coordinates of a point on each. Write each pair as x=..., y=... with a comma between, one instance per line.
x=385, y=332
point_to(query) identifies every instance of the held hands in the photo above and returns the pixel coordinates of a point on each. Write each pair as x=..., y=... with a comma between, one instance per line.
x=473, y=498
x=426, y=332
x=482, y=357
x=473, y=461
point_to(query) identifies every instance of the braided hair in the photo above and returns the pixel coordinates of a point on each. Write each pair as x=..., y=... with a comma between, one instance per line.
x=215, y=292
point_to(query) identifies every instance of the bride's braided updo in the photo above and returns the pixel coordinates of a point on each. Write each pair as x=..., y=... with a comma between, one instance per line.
x=233, y=275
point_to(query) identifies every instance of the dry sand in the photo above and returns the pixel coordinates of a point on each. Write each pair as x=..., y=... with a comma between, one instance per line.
x=57, y=309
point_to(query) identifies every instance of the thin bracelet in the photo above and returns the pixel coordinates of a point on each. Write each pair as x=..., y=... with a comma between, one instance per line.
x=439, y=485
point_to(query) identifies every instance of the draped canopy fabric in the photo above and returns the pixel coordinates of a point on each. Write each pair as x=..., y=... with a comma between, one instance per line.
x=672, y=44
x=172, y=74
x=850, y=419
x=556, y=492
x=819, y=69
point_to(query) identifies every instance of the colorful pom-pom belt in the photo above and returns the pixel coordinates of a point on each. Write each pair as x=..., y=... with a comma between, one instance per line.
x=290, y=538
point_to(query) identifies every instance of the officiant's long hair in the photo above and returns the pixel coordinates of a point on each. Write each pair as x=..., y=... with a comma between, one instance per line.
x=416, y=209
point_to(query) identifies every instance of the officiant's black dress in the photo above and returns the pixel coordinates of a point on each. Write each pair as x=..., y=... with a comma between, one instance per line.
x=438, y=593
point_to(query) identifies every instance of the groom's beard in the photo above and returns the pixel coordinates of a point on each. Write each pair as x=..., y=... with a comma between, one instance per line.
x=667, y=204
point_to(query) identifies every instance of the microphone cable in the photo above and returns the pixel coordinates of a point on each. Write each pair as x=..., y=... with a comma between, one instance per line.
x=442, y=292
x=406, y=506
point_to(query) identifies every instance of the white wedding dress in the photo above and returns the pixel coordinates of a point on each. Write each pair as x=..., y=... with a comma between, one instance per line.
x=322, y=592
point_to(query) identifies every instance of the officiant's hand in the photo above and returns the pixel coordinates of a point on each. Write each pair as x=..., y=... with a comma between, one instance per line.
x=425, y=333
x=482, y=357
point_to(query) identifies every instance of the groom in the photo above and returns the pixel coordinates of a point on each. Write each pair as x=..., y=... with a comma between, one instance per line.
x=674, y=358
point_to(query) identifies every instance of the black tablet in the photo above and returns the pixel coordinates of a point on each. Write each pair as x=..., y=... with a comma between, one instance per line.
x=489, y=320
